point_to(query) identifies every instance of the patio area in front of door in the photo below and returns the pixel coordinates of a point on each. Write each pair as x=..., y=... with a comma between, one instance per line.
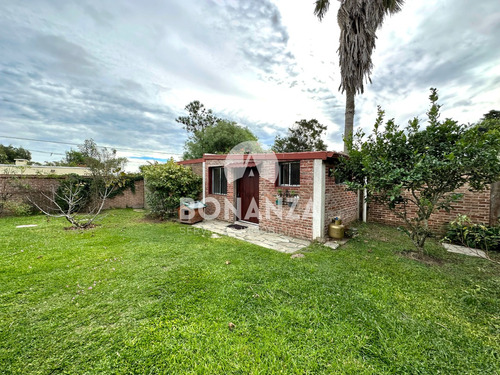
x=251, y=233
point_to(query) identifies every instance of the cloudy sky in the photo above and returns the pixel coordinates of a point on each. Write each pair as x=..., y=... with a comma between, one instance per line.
x=120, y=72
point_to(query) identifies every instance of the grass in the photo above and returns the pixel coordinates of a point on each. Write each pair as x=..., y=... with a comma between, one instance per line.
x=132, y=296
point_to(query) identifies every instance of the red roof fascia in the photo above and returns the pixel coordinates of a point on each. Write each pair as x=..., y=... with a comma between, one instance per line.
x=250, y=164
x=191, y=161
x=323, y=155
x=288, y=156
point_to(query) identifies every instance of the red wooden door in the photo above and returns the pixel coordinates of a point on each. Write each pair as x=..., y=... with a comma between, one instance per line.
x=248, y=194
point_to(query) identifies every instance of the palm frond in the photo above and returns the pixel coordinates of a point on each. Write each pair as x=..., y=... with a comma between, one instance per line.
x=321, y=8
x=393, y=6
x=358, y=21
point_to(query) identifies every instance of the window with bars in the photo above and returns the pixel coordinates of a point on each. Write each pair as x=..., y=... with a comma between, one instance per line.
x=289, y=174
x=218, y=181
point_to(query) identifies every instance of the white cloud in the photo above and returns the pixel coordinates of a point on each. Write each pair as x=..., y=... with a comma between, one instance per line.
x=122, y=72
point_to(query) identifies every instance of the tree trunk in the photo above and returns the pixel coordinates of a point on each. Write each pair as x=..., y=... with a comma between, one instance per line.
x=349, y=116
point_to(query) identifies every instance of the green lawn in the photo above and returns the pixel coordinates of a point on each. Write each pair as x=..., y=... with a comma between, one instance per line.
x=138, y=297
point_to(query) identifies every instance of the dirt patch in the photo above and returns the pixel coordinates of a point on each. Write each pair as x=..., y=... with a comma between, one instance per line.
x=422, y=258
x=149, y=219
x=76, y=228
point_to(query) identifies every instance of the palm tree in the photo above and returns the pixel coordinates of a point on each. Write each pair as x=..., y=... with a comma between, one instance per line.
x=358, y=21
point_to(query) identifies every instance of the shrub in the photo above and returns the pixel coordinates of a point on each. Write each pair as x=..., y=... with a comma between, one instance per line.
x=166, y=184
x=17, y=208
x=462, y=231
x=73, y=184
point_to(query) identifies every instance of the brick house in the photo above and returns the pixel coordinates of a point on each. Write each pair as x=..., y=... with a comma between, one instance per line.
x=289, y=193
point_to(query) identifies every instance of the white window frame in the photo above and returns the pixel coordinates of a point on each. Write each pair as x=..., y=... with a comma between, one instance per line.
x=218, y=190
x=289, y=164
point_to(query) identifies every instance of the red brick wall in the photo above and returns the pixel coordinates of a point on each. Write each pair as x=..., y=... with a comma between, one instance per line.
x=296, y=222
x=222, y=199
x=42, y=184
x=128, y=199
x=339, y=202
x=474, y=204
x=12, y=187
x=197, y=168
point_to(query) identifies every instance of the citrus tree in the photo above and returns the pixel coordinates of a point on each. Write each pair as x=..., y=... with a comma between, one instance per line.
x=415, y=171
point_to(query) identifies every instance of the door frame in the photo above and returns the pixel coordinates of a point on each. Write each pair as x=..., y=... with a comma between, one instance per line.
x=239, y=198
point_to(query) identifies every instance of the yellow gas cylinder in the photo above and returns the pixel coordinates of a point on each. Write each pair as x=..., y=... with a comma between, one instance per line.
x=336, y=229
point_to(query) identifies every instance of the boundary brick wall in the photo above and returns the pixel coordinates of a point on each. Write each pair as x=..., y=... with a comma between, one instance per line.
x=128, y=199
x=475, y=204
x=10, y=185
x=47, y=184
x=339, y=202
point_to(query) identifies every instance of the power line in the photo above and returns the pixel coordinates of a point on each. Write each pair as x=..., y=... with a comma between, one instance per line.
x=38, y=140
x=46, y=152
x=76, y=144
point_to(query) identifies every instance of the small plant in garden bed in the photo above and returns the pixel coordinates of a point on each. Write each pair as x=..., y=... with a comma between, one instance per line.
x=16, y=208
x=462, y=231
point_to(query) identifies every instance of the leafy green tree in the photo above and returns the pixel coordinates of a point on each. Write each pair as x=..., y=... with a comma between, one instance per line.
x=73, y=158
x=8, y=154
x=217, y=139
x=198, y=119
x=415, y=172
x=303, y=136
x=166, y=184
x=104, y=164
x=492, y=115
x=489, y=123
x=358, y=21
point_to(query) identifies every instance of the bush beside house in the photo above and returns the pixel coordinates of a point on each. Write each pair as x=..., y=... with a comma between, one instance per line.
x=166, y=184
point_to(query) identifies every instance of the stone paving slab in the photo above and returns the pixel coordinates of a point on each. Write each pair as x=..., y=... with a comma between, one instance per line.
x=464, y=250
x=332, y=245
x=254, y=235
x=335, y=244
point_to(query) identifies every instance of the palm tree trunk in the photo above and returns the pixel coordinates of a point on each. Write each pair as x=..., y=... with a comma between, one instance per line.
x=349, y=116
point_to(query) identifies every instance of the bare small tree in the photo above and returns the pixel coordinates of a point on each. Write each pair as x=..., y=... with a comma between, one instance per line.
x=80, y=200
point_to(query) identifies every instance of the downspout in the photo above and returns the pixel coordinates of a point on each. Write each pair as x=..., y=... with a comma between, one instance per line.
x=204, y=181
x=318, y=224
x=358, y=207
x=365, y=204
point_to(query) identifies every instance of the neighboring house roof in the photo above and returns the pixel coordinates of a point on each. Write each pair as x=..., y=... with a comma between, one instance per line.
x=286, y=156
